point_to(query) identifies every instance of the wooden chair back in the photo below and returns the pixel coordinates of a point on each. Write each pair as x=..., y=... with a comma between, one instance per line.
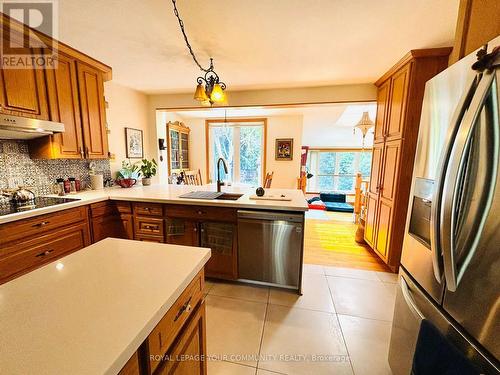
x=302, y=183
x=268, y=180
x=193, y=178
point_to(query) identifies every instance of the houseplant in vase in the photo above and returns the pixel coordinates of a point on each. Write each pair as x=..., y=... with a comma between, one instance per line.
x=128, y=174
x=148, y=170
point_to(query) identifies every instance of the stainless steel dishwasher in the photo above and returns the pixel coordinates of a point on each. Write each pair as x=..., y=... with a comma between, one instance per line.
x=270, y=247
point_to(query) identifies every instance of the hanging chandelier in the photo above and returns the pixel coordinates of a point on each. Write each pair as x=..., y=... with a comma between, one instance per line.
x=364, y=125
x=209, y=88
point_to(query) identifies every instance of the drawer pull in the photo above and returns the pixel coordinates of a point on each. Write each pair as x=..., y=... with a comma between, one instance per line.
x=45, y=253
x=185, y=308
x=41, y=224
x=152, y=227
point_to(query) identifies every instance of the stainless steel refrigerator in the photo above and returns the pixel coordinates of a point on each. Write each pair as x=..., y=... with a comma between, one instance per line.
x=450, y=265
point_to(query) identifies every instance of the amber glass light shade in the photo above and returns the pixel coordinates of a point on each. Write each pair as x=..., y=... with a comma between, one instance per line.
x=217, y=95
x=200, y=93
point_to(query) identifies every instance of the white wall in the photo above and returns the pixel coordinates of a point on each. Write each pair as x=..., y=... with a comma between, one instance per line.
x=127, y=108
x=285, y=172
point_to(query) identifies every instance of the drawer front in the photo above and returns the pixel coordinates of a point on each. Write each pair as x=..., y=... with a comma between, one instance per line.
x=25, y=256
x=123, y=207
x=202, y=212
x=39, y=225
x=103, y=209
x=163, y=335
x=132, y=366
x=148, y=238
x=148, y=209
x=148, y=225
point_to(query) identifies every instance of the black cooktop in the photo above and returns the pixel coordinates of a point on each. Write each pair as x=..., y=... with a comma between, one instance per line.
x=7, y=208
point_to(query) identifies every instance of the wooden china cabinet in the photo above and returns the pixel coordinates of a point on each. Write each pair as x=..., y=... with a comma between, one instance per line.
x=399, y=103
x=178, y=147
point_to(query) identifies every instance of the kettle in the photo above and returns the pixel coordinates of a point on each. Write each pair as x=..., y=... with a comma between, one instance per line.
x=20, y=195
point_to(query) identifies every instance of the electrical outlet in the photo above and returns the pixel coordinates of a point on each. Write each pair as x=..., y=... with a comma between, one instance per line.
x=14, y=182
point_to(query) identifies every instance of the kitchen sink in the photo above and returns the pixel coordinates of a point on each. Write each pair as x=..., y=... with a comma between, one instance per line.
x=229, y=196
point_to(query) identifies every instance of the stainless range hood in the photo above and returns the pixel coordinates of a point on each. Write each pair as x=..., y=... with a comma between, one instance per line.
x=16, y=127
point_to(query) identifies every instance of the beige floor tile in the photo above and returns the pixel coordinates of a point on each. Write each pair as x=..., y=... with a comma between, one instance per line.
x=388, y=277
x=241, y=291
x=299, y=335
x=265, y=372
x=368, y=344
x=314, y=269
x=234, y=329
x=363, y=298
x=228, y=368
x=316, y=295
x=350, y=272
x=208, y=286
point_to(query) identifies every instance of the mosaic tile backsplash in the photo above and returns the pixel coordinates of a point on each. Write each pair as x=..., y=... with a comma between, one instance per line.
x=17, y=167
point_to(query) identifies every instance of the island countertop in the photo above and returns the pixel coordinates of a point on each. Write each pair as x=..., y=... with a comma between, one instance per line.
x=88, y=312
x=170, y=194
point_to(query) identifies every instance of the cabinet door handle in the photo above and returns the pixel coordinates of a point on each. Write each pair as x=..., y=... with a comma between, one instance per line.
x=185, y=308
x=45, y=253
x=195, y=229
x=80, y=151
x=40, y=224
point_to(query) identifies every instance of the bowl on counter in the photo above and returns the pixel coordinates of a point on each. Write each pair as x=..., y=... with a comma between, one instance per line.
x=126, y=182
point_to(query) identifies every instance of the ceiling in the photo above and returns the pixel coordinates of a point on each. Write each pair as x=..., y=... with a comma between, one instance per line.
x=255, y=44
x=321, y=115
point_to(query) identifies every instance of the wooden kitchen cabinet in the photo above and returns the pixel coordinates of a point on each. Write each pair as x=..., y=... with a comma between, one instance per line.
x=108, y=221
x=23, y=91
x=221, y=238
x=399, y=103
x=181, y=231
x=177, y=147
x=62, y=84
x=91, y=90
x=28, y=244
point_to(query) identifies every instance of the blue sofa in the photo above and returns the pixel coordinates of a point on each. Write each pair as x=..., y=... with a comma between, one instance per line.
x=336, y=202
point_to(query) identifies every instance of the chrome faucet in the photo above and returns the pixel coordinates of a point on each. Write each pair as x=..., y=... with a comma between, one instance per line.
x=219, y=182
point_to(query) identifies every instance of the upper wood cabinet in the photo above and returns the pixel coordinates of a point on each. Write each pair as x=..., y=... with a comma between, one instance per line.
x=399, y=103
x=178, y=147
x=91, y=90
x=382, y=105
x=71, y=93
x=23, y=91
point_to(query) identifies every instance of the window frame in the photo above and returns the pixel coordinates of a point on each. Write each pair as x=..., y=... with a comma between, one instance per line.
x=319, y=150
x=237, y=123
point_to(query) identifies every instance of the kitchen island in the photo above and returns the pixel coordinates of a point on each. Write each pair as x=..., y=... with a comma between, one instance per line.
x=115, y=303
x=251, y=240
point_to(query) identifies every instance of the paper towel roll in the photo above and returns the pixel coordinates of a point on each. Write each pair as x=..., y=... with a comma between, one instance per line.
x=96, y=181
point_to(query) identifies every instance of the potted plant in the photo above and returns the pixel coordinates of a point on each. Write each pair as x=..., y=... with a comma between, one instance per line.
x=148, y=170
x=128, y=174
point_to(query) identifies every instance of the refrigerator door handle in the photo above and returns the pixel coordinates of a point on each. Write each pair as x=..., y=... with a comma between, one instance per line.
x=405, y=290
x=435, y=224
x=451, y=187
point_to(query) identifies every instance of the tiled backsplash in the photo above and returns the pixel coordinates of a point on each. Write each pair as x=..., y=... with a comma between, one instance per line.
x=16, y=166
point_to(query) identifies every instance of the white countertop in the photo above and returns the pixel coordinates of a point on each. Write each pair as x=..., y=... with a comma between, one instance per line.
x=170, y=194
x=88, y=312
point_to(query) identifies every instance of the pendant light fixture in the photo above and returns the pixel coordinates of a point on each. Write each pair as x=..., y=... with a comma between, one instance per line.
x=364, y=125
x=209, y=89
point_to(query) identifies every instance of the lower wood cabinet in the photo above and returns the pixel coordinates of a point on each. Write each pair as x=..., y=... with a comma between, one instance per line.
x=221, y=238
x=181, y=231
x=26, y=254
x=177, y=345
x=111, y=219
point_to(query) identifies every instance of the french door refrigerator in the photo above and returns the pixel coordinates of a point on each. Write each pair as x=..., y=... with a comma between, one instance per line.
x=450, y=265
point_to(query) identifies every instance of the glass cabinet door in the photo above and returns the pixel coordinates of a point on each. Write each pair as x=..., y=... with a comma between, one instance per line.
x=182, y=232
x=184, y=150
x=220, y=238
x=174, y=150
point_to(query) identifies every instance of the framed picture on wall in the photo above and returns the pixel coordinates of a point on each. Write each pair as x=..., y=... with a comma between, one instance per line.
x=134, y=144
x=284, y=149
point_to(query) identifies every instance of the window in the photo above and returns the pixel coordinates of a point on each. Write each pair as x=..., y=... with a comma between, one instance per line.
x=336, y=170
x=241, y=144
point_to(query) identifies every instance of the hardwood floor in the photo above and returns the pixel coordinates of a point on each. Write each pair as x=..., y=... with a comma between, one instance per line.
x=329, y=241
